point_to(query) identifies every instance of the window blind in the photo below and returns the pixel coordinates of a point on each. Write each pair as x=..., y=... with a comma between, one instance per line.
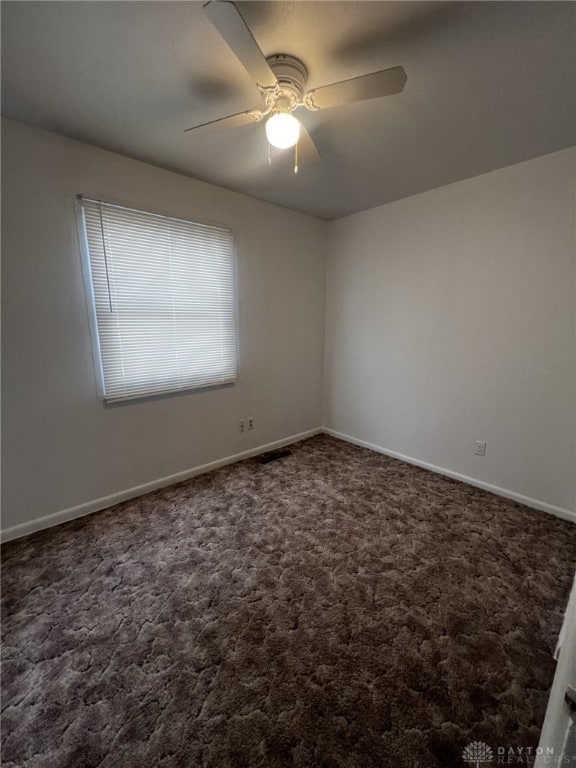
x=163, y=296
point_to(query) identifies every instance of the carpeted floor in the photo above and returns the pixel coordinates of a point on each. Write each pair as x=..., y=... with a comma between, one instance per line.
x=333, y=609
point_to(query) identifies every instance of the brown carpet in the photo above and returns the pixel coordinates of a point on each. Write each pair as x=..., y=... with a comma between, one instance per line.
x=334, y=609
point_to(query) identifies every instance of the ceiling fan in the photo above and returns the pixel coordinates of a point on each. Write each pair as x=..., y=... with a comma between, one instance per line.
x=281, y=80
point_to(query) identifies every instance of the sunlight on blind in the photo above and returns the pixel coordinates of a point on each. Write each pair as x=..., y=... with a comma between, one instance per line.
x=163, y=295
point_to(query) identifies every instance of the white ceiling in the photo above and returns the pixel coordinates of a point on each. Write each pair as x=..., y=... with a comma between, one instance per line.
x=489, y=84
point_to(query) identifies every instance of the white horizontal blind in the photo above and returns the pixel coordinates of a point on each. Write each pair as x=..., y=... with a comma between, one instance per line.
x=163, y=294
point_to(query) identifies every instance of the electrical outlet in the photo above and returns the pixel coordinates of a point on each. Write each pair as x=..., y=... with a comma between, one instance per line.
x=241, y=425
x=250, y=423
x=480, y=449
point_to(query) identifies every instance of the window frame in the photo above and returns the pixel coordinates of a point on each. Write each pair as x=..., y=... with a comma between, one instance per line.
x=91, y=308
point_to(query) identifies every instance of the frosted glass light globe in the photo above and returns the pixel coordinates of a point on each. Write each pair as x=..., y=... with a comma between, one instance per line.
x=282, y=130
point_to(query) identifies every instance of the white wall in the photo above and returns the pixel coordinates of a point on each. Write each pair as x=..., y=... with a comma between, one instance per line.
x=61, y=446
x=450, y=319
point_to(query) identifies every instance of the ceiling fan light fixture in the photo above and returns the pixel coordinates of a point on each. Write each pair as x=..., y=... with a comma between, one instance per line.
x=282, y=130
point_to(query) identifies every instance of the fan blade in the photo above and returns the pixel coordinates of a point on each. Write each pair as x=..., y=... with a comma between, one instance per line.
x=307, y=150
x=232, y=121
x=227, y=20
x=383, y=83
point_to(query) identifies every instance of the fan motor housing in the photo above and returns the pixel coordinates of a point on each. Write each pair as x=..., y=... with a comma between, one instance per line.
x=291, y=74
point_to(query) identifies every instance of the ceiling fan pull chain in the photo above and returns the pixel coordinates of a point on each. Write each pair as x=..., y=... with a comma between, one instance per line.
x=269, y=155
x=296, y=157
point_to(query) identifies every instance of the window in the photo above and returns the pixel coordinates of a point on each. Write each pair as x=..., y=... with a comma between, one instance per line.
x=162, y=293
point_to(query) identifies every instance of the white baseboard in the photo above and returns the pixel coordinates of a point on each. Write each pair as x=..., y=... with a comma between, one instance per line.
x=96, y=505
x=565, y=514
x=48, y=521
